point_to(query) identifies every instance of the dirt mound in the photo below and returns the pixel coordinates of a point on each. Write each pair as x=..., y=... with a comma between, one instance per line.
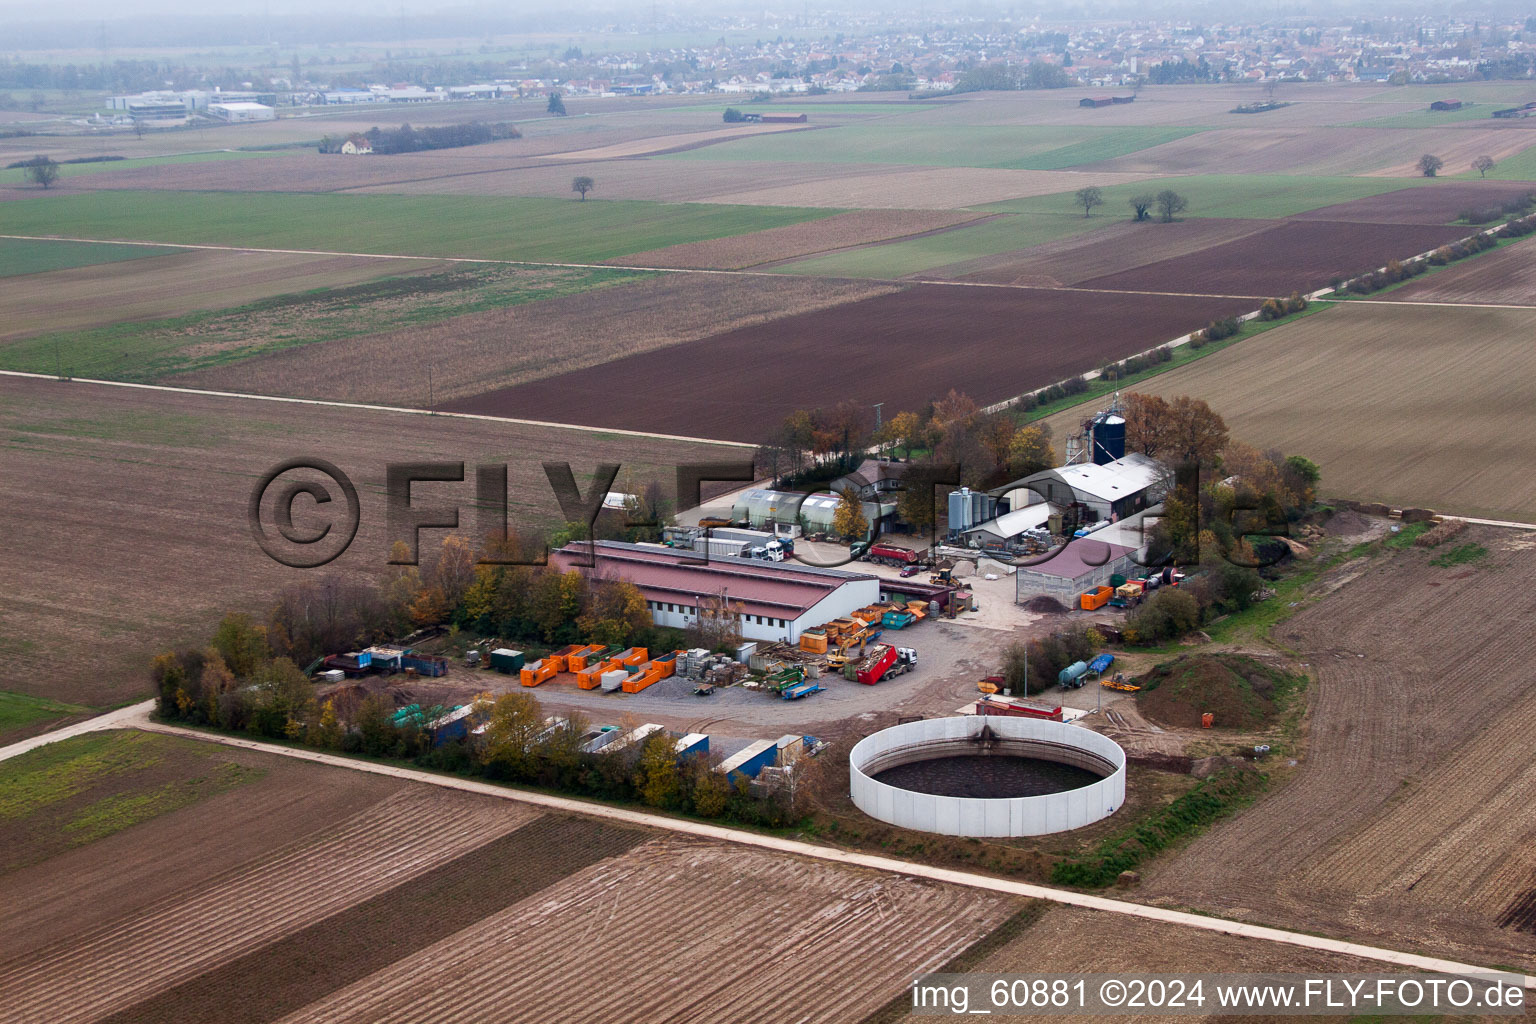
x=1045, y=605
x=1240, y=691
x=1347, y=523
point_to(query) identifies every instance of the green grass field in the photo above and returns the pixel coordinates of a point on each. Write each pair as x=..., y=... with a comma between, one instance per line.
x=24, y=256
x=150, y=350
x=1007, y=146
x=19, y=709
x=1520, y=167
x=88, y=787
x=898, y=259
x=15, y=175
x=556, y=230
x=1257, y=196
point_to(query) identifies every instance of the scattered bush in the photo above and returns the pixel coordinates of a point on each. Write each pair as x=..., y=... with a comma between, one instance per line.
x=1190, y=814
x=1136, y=364
x=1279, y=309
x=1167, y=615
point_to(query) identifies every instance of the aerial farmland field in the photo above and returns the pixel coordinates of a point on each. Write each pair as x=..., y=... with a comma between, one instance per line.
x=876, y=349
x=1414, y=828
x=492, y=228
x=407, y=894
x=130, y=548
x=1408, y=405
x=1504, y=277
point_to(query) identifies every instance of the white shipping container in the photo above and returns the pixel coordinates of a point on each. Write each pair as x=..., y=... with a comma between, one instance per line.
x=613, y=680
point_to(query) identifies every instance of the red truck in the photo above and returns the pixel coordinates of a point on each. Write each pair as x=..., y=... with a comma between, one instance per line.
x=891, y=554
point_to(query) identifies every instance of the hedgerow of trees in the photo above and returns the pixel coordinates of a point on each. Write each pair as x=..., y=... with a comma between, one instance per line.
x=406, y=139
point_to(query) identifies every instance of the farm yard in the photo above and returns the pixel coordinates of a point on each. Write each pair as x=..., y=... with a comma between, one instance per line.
x=1361, y=390
x=1416, y=828
x=135, y=535
x=465, y=305
x=1015, y=340
x=389, y=909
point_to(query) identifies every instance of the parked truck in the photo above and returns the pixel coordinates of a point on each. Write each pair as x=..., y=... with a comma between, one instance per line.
x=882, y=661
x=891, y=554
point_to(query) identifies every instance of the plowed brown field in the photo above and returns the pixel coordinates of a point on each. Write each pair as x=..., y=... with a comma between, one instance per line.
x=471, y=354
x=1439, y=204
x=132, y=536
x=903, y=349
x=1410, y=822
x=1121, y=247
x=1410, y=405
x=96, y=973
x=1294, y=256
x=683, y=931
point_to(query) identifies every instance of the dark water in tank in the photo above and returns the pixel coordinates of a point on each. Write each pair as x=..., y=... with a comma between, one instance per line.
x=987, y=776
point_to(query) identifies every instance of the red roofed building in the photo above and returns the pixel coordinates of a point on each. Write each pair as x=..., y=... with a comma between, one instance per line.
x=776, y=600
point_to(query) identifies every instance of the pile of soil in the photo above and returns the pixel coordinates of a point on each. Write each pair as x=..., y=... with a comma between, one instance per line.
x=1347, y=523
x=1045, y=605
x=1240, y=691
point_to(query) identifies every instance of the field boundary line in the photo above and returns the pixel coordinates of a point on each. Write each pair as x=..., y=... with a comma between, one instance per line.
x=122, y=718
x=1449, y=305
x=334, y=404
x=138, y=717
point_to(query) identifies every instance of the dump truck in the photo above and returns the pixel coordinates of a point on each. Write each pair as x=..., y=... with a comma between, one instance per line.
x=891, y=554
x=874, y=665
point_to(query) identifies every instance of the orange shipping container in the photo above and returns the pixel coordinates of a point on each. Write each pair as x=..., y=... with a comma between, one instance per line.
x=816, y=643
x=591, y=678
x=533, y=675
x=640, y=680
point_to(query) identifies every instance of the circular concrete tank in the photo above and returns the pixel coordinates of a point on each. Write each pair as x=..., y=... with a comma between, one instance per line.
x=1089, y=787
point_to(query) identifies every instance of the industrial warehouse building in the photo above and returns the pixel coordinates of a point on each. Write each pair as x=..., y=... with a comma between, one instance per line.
x=774, y=600
x=1065, y=573
x=242, y=112
x=1109, y=490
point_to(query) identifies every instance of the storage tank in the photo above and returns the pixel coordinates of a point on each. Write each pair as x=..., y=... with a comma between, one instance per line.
x=1108, y=433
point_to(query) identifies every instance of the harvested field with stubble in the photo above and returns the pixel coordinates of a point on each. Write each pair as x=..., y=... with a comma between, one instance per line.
x=876, y=349
x=1408, y=405
x=857, y=227
x=1069, y=940
x=1294, y=256
x=177, y=284
x=96, y=973
x=1415, y=793
x=327, y=894
x=831, y=944
x=479, y=352
x=1506, y=277
x=133, y=535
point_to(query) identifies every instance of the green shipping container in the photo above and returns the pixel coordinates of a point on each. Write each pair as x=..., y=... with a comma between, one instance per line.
x=504, y=660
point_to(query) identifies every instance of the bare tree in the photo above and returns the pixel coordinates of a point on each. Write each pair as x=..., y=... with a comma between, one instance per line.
x=1482, y=165
x=583, y=184
x=1170, y=204
x=1429, y=164
x=1142, y=204
x=1088, y=198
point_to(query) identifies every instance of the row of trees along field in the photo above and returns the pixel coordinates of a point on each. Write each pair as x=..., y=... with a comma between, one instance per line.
x=951, y=438
x=406, y=139
x=235, y=683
